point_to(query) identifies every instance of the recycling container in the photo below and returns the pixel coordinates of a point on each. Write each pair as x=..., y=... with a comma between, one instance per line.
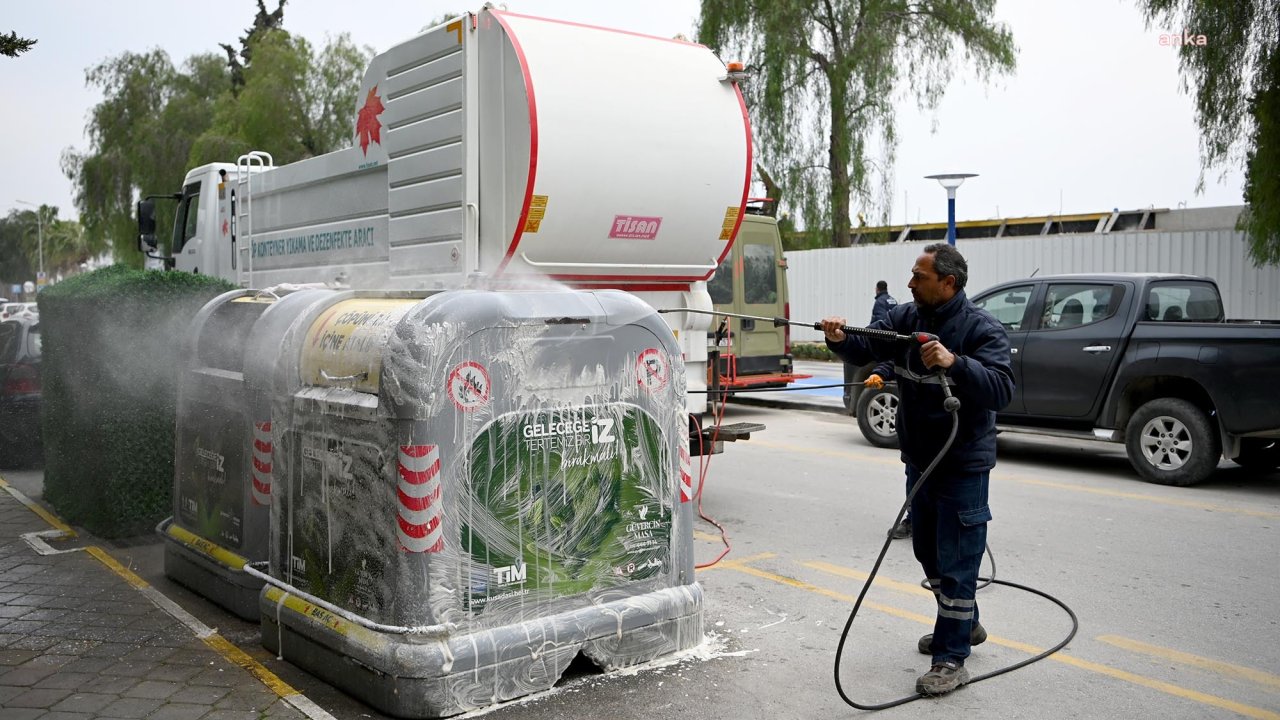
x=476, y=487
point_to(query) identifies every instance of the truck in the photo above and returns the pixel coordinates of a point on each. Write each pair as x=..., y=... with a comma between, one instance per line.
x=381, y=465
x=1144, y=359
x=751, y=280
x=499, y=149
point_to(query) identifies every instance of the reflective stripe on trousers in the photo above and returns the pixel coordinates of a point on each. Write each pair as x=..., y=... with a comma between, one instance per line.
x=948, y=533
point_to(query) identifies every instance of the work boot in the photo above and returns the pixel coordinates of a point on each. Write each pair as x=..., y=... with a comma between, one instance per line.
x=942, y=678
x=977, y=636
x=903, y=530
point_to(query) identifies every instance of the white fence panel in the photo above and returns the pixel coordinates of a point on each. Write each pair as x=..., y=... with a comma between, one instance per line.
x=841, y=281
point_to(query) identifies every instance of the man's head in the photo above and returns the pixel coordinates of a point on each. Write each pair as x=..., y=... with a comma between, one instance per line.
x=939, y=273
x=882, y=286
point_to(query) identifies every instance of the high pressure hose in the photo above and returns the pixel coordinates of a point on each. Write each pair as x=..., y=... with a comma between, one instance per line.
x=952, y=408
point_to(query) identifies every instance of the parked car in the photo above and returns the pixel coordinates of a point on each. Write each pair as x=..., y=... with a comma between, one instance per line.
x=1147, y=360
x=19, y=391
x=18, y=309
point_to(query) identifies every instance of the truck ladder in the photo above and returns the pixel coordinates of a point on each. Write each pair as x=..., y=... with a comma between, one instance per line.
x=243, y=213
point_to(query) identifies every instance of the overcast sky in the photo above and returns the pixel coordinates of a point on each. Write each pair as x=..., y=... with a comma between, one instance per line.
x=1093, y=118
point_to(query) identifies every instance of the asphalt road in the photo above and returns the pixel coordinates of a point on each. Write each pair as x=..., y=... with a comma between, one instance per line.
x=1175, y=589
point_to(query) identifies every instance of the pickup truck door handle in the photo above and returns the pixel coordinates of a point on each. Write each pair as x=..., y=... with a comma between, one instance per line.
x=1095, y=349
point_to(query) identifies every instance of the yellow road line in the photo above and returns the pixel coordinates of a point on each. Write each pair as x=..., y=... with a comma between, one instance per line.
x=741, y=566
x=124, y=572
x=700, y=535
x=1000, y=475
x=1217, y=666
x=1152, y=683
x=209, y=636
x=34, y=507
x=1175, y=502
x=881, y=581
x=237, y=656
x=749, y=558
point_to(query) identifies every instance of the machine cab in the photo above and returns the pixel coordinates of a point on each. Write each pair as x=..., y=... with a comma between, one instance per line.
x=202, y=238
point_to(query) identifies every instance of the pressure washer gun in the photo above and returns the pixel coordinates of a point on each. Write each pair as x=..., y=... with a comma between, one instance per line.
x=950, y=403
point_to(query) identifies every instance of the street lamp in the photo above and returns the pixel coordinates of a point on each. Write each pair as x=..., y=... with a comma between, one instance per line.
x=40, y=239
x=951, y=182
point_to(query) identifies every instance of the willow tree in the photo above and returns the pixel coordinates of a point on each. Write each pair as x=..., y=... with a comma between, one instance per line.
x=826, y=73
x=156, y=121
x=1229, y=57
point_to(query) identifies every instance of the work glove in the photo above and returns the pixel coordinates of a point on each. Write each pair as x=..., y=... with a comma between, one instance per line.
x=873, y=382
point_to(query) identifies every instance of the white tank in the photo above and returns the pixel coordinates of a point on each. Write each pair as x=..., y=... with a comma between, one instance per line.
x=507, y=145
x=605, y=155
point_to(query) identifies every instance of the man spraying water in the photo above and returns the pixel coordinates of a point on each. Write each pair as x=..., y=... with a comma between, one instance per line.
x=950, y=512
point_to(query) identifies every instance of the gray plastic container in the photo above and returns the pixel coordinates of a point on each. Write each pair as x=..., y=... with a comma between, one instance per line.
x=222, y=462
x=473, y=489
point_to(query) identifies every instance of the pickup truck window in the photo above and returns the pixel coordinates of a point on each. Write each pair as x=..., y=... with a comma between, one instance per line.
x=1183, y=301
x=1075, y=304
x=1008, y=306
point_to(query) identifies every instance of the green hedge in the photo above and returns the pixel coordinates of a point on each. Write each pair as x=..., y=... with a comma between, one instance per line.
x=111, y=340
x=813, y=351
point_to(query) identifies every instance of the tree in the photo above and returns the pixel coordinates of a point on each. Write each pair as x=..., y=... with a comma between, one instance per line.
x=834, y=66
x=293, y=103
x=15, y=263
x=156, y=121
x=140, y=138
x=1235, y=76
x=12, y=46
x=262, y=22
x=64, y=243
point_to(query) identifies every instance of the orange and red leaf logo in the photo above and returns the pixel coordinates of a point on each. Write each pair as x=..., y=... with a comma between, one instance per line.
x=367, y=125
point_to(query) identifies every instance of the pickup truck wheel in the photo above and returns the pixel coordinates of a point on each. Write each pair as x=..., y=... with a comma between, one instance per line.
x=1171, y=442
x=1259, y=453
x=878, y=416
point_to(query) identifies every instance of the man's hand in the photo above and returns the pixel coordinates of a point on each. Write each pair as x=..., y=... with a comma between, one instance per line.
x=831, y=328
x=935, y=355
x=873, y=382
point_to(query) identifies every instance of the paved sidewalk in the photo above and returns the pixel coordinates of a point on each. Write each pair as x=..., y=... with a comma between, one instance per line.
x=82, y=639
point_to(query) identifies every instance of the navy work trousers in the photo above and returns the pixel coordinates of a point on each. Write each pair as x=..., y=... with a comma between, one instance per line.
x=948, y=533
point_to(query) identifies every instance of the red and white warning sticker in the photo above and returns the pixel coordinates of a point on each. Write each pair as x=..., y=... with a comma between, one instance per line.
x=469, y=386
x=652, y=371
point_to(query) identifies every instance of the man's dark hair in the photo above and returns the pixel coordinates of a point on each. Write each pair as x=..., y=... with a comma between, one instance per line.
x=882, y=286
x=947, y=260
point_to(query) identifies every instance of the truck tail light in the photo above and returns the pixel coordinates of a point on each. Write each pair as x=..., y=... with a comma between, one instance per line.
x=786, y=330
x=21, y=380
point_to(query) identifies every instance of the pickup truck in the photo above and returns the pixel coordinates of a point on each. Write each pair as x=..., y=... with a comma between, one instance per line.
x=1143, y=359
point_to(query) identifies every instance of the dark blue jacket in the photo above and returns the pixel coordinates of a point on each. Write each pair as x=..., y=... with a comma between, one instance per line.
x=884, y=303
x=982, y=377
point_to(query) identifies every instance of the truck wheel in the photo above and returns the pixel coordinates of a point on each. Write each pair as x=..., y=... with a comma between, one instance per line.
x=1259, y=454
x=878, y=416
x=1171, y=442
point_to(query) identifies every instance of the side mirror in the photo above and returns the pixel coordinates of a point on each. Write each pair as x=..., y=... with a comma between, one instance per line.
x=146, y=225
